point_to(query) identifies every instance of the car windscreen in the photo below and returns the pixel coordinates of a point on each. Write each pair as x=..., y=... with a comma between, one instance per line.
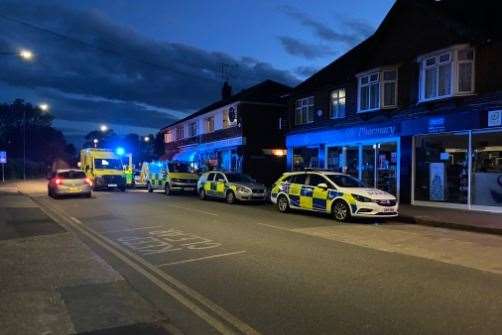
x=345, y=181
x=239, y=178
x=179, y=167
x=71, y=175
x=107, y=163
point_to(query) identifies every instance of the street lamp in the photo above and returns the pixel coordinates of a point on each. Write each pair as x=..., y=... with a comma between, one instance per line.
x=147, y=139
x=44, y=107
x=103, y=128
x=95, y=141
x=26, y=54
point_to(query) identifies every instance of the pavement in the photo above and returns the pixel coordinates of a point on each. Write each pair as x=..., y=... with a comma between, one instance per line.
x=52, y=283
x=213, y=268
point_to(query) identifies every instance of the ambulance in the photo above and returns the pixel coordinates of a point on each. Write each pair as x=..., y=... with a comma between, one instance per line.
x=338, y=194
x=169, y=176
x=104, y=168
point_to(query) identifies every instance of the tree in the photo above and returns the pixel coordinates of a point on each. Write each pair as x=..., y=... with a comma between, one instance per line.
x=44, y=144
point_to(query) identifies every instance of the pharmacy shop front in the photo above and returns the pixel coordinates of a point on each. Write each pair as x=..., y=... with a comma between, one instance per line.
x=370, y=153
x=452, y=160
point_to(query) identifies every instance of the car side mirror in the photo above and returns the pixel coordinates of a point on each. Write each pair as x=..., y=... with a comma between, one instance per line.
x=324, y=186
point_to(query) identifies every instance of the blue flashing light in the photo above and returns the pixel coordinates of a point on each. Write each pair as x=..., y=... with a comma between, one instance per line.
x=120, y=151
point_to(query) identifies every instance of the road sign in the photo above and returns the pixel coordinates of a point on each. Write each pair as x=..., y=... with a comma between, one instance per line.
x=3, y=157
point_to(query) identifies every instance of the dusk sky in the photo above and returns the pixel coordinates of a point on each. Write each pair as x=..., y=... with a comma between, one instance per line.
x=138, y=65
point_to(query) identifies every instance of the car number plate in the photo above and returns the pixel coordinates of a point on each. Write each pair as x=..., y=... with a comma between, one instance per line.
x=112, y=185
x=189, y=189
x=388, y=210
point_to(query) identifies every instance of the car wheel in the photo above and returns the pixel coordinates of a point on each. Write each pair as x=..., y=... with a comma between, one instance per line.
x=167, y=189
x=202, y=194
x=122, y=188
x=340, y=211
x=88, y=195
x=49, y=193
x=282, y=204
x=230, y=197
x=149, y=187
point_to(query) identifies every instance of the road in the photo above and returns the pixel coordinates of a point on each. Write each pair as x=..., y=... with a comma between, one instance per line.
x=215, y=268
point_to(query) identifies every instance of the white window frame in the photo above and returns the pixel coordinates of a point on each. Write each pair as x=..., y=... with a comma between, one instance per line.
x=454, y=72
x=300, y=104
x=340, y=99
x=192, y=128
x=180, y=130
x=379, y=73
x=206, y=124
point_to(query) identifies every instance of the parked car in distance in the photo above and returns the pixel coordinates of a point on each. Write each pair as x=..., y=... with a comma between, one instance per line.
x=230, y=186
x=69, y=182
x=338, y=194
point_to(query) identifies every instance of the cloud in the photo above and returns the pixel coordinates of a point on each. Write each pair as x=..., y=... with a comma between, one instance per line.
x=97, y=70
x=350, y=32
x=305, y=71
x=297, y=47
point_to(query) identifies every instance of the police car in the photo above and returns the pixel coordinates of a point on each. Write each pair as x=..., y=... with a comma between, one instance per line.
x=338, y=194
x=230, y=186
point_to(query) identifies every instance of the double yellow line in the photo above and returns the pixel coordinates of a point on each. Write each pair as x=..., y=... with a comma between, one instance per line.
x=217, y=317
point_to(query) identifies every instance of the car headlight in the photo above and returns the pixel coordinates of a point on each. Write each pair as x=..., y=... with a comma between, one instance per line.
x=361, y=198
x=242, y=189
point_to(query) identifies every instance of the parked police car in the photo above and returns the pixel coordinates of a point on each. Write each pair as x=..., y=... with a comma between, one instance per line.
x=338, y=194
x=230, y=186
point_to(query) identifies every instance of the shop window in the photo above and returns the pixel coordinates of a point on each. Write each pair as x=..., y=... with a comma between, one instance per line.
x=338, y=104
x=441, y=168
x=446, y=73
x=486, y=189
x=336, y=159
x=305, y=158
x=304, y=111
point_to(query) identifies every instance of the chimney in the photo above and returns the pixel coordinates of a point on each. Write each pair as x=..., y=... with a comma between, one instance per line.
x=226, y=91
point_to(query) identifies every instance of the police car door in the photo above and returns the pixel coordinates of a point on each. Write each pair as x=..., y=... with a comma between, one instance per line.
x=220, y=182
x=319, y=194
x=295, y=190
x=209, y=188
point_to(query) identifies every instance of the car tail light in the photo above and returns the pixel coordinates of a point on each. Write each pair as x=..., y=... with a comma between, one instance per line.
x=58, y=181
x=88, y=181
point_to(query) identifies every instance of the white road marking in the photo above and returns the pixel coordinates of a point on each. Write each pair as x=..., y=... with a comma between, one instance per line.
x=190, y=260
x=275, y=227
x=128, y=257
x=192, y=210
x=131, y=229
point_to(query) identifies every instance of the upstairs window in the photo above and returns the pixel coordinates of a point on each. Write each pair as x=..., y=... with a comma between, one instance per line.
x=304, y=111
x=192, y=129
x=180, y=133
x=447, y=73
x=168, y=136
x=377, y=90
x=209, y=124
x=338, y=104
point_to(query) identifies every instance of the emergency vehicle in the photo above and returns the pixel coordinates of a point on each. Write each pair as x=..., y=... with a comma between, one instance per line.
x=169, y=176
x=103, y=167
x=230, y=186
x=334, y=193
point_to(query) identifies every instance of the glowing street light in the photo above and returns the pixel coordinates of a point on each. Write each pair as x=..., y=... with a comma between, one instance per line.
x=26, y=54
x=44, y=107
x=147, y=139
x=95, y=141
x=103, y=128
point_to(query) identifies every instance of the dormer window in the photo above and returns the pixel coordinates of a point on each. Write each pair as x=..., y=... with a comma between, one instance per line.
x=377, y=90
x=447, y=73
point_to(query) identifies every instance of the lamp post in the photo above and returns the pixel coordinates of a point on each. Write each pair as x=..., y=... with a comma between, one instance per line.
x=95, y=141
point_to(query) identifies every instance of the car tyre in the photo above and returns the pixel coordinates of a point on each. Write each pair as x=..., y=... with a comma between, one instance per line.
x=283, y=204
x=202, y=194
x=122, y=188
x=149, y=187
x=88, y=195
x=230, y=198
x=167, y=189
x=340, y=211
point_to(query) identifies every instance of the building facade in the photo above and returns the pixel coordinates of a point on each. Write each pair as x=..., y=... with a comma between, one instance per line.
x=240, y=133
x=416, y=109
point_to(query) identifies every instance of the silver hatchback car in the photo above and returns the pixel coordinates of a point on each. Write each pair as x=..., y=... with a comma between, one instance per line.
x=69, y=182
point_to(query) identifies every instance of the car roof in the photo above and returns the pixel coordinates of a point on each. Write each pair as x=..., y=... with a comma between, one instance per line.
x=323, y=172
x=68, y=170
